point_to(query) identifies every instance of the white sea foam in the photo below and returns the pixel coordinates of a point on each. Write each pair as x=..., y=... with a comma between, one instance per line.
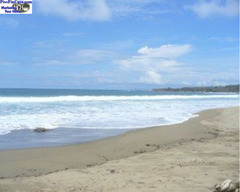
x=112, y=98
x=100, y=112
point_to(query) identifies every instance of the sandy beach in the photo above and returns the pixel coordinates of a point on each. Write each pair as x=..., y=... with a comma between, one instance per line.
x=190, y=156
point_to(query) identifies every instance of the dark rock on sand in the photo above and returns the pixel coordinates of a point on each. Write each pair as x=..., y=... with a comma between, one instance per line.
x=40, y=130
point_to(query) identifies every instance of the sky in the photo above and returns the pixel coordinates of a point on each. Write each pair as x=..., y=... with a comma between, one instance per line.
x=121, y=44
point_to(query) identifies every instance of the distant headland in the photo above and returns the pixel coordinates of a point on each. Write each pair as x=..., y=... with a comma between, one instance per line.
x=227, y=88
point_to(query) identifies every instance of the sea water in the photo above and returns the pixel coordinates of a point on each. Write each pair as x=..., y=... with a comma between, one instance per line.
x=98, y=111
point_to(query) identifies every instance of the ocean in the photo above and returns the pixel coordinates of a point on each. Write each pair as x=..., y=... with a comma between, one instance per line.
x=84, y=115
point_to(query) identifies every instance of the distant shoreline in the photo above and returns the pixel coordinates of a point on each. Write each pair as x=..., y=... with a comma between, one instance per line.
x=226, y=89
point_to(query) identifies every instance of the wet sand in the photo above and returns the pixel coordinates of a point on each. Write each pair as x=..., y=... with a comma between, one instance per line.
x=195, y=155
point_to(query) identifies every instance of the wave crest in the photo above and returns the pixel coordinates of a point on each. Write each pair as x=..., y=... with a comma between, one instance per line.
x=111, y=98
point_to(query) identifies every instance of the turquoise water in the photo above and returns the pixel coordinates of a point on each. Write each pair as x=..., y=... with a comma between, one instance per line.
x=75, y=110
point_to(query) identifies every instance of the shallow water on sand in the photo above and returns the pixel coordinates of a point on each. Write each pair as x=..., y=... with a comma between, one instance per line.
x=21, y=139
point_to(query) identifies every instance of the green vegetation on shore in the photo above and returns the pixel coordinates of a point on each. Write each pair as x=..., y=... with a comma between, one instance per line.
x=227, y=88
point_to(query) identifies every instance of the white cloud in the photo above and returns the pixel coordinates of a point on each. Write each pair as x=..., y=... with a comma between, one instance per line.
x=102, y=10
x=151, y=77
x=165, y=51
x=95, y=53
x=152, y=62
x=141, y=63
x=121, y=8
x=160, y=58
x=80, y=57
x=40, y=62
x=204, y=9
x=87, y=56
x=225, y=39
x=75, y=10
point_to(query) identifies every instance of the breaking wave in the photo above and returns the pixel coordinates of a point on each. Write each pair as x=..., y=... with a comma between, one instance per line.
x=112, y=98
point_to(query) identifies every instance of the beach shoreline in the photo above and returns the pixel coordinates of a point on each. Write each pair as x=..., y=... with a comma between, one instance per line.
x=29, y=139
x=209, y=125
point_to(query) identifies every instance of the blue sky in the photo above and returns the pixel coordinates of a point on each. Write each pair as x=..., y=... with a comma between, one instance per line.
x=120, y=44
